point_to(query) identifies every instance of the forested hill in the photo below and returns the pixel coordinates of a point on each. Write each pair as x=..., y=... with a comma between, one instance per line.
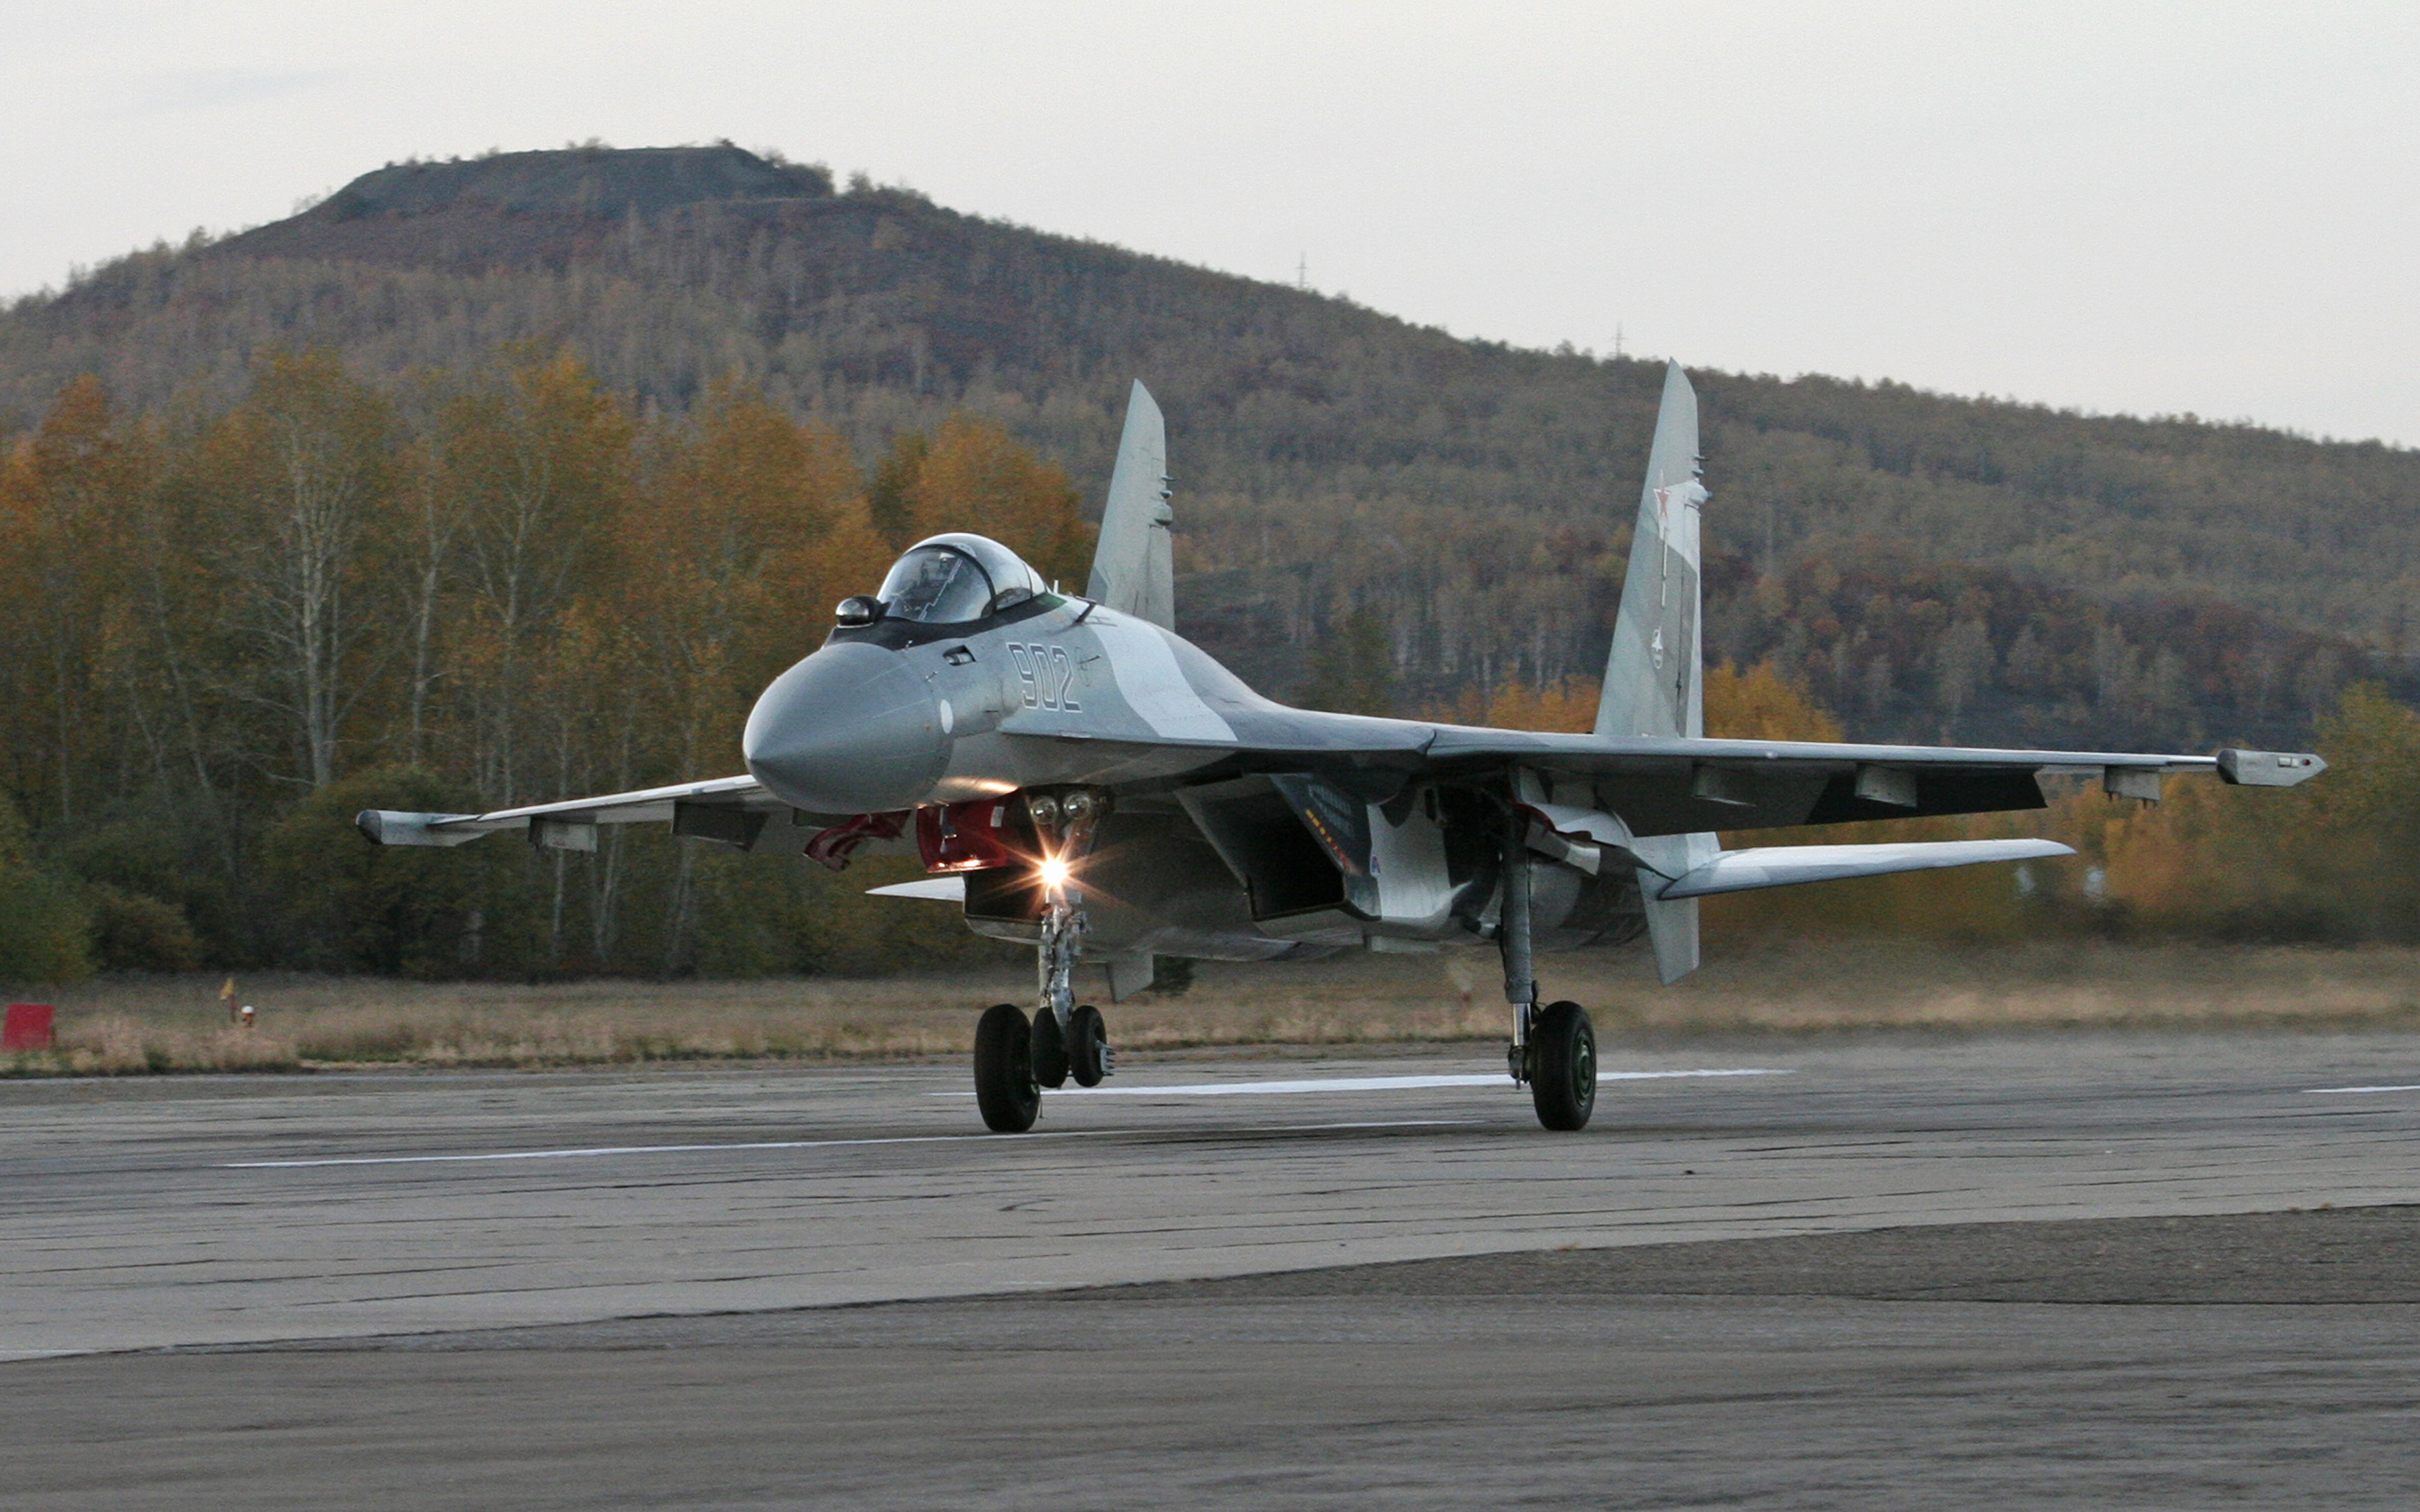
x=1933, y=568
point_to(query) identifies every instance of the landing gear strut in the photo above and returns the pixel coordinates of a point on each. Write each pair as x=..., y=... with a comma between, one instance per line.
x=1063, y=940
x=1554, y=1048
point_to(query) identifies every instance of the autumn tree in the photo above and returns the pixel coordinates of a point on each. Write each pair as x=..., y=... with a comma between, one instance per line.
x=1352, y=668
x=732, y=551
x=63, y=493
x=889, y=502
x=429, y=518
x=541, y=459
x=969, y=475
x=1759, y=703
x=2337, y=859
x=307, y=467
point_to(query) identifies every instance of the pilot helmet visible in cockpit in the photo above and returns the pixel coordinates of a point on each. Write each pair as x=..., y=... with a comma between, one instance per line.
x=954, y=579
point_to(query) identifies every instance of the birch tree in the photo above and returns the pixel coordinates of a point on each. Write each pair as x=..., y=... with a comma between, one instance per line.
x=311, y=461
x=541, y=460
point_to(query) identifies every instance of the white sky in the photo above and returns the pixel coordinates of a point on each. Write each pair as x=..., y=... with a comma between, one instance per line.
x=2136, y=207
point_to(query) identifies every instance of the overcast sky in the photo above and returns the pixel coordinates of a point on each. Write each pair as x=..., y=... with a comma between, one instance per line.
x=2131, y=207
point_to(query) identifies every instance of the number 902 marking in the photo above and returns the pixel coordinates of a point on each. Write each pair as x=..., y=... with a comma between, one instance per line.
x=1046, y=676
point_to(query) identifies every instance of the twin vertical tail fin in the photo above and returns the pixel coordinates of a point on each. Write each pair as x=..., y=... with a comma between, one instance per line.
x=1134, y=572
x=1654, y=680
x=1134, y=568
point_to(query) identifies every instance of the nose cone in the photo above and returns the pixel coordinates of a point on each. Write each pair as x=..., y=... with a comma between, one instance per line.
x=849, y=730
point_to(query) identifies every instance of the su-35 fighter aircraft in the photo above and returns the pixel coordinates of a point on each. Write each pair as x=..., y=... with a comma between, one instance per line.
x=1077, y=776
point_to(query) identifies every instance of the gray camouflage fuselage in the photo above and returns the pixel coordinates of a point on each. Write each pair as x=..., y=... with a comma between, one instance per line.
x=1064, y=693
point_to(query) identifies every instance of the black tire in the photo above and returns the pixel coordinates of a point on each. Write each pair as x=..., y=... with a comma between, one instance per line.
x=1088, y=1046
x=1004, y=1088
x=1563, y=1066
x=1049, y=1050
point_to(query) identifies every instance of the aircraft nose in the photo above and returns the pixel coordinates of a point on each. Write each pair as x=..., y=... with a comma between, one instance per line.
x=849, y=730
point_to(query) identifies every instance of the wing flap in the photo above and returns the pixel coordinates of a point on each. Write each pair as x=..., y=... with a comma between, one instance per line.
x=1784, y=866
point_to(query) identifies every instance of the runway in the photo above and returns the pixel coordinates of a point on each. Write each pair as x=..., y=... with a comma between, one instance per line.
x=618, y=1262
x=230, y=1210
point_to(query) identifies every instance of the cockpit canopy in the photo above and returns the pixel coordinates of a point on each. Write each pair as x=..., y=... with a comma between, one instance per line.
x=948, y=579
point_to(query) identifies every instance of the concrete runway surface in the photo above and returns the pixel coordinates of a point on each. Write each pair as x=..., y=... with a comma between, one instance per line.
x=1879, y=1272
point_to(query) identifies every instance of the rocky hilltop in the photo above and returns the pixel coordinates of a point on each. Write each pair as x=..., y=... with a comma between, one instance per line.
x=520, y=207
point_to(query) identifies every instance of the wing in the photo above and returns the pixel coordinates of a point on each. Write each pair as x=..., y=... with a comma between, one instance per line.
x=1667, y=785
x=731, y=808
x=1680, y=785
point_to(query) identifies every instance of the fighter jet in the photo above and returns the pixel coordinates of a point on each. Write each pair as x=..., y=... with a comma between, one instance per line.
x=1077, y=776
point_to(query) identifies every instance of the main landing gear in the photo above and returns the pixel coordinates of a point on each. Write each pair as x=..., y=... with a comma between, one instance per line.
x=1554, y=1048
x=1563, y=1066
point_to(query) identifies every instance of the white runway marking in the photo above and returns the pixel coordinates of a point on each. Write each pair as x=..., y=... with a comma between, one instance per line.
x=786, y=1144
x=2314, y=1091
x=1365, y=1084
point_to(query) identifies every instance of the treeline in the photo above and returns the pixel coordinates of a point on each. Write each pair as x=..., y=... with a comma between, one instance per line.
x=1907, y=649
x=1331, y=461
x=462, y=590
x=1897, y=647
x=231, y=631
x=459, y=591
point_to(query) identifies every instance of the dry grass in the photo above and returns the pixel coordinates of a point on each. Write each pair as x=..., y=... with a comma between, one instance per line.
x=142, y=1024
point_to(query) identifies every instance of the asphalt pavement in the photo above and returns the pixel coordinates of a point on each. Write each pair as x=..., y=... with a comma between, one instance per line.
x=2090, y=1270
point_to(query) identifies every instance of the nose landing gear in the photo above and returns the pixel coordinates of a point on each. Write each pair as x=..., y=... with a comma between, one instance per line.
x=1015, y=1058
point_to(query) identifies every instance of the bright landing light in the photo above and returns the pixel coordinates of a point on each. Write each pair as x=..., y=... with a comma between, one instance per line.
x=1054, y=873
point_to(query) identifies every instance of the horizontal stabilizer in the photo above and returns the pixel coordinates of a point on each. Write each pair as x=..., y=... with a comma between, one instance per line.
x=940, y=889
x=1783, y=866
